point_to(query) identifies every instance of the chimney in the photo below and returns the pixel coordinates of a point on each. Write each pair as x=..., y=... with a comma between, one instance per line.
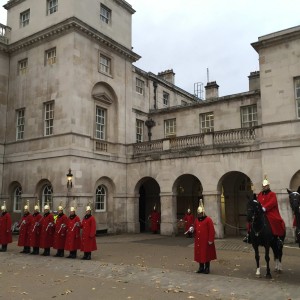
x=254, y=81
x=211, y=90
x=167, y=75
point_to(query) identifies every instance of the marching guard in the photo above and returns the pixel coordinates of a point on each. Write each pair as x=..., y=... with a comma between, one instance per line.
x=88, y=238
x=73, y=239
x=24, y=230
x=46, y=231
x=5, y=228
x=60, y=232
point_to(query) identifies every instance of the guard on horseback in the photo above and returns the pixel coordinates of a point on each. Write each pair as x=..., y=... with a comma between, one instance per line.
x=269, y=203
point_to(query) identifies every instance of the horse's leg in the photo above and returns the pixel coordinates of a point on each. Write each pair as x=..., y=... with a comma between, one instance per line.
x=267, y=258
x=255, y=247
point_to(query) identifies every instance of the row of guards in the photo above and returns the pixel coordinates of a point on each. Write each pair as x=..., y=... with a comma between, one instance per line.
x=38, y=230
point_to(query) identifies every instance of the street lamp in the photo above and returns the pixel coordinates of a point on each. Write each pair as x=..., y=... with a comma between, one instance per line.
x=69, y=182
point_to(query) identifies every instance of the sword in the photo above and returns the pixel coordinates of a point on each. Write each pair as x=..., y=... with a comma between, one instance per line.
x=50, y=224
x=76, y=224
x=61, y=226
x=23, y=222
x=36, y=224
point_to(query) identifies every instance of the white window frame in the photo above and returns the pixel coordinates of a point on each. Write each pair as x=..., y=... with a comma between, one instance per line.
x=18, y=199
x=22, y=66
x=47, y=196
x=49, y=118
x=100, y=199
x=104, y=64
x=297, y=95
x=139, y=86
x=100, y=131
x=206, y=122
x=170, y=128
x=50, y=56
x=166, y=99
x=52, y=6
x=105, y=14
x=249, y=116
x=24, y=18
x=139, y=131
x=20, y=126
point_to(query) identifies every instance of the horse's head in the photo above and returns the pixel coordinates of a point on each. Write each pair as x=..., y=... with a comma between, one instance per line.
x=294, y=198
x=254, y=209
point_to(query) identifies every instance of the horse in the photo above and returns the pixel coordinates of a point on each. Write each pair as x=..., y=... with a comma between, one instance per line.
x=261, y=235
x=295, y=205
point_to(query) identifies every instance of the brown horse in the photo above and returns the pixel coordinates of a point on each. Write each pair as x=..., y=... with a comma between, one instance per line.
x=295, y=205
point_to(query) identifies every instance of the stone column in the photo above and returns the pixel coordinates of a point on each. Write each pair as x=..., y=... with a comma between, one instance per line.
x=133, y=225
x=168, y=214
x=212, y=205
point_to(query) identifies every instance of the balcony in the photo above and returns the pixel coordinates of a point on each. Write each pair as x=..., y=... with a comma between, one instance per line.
x=4, y=34
x=227, y=138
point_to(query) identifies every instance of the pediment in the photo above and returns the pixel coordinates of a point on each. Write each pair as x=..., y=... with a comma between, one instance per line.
x=103, y=97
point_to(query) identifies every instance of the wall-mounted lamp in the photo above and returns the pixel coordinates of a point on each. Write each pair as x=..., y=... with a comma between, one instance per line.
x=69, y=177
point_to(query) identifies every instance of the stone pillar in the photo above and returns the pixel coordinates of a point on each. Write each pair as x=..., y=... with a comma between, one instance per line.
x=168, y=214
x=212, y=205
x=133, y=225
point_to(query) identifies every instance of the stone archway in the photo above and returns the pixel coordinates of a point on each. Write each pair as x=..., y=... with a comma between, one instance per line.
x=295, y=181
x=149, y=196
x=188, y=190
x=235, y=189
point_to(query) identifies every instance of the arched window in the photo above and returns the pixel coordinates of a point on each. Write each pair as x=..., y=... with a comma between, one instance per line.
x=47, y=196
x=18, y=199
x=100, y=203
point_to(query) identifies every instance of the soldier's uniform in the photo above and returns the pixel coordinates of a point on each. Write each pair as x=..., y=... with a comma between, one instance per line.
x=73, y=239
x=46, y=231
x=60, y=232
x=5, y=228
x=88, y=238
x=35, y=231
x=24, y=230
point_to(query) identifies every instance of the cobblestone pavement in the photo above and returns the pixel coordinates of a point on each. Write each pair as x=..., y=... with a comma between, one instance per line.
x=145, y=266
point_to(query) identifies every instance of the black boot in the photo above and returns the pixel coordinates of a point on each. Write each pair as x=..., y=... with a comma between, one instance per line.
x=57, y=254
x=201, y=268
x=27, y=249
x=4, y=248
x=206, y=268
x=247, y=239
x=85, y=255
x=61, y=253
x=89, y=256
x=24, y=250
x=46, y=252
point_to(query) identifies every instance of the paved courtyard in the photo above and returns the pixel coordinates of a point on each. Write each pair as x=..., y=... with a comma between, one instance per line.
x=146, y=266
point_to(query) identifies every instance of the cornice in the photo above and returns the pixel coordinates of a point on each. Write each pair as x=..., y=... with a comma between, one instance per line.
x=12, y=3
x=73, y=24
x=125, y=5
x=277, y=38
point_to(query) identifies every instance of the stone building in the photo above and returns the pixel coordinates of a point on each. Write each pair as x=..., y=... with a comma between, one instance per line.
x=73, y=103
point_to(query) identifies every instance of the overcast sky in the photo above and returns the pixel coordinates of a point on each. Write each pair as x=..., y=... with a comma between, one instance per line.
x=191, y=36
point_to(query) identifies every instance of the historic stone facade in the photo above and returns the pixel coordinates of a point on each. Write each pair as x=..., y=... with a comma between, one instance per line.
x=71, y=98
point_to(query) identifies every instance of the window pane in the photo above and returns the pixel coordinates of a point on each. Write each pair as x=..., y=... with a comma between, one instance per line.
x=100, y=123
x=139, y=131
x=249, y=116
x=207, y=122
x=100, y=202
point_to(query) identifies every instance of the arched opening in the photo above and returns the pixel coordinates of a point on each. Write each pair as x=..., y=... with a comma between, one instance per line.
x=188, y=190
x=149, y=196
x=295, y=181
x=235, y=189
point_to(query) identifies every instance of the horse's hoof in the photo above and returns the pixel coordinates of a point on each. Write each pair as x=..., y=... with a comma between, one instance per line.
x=268, y=276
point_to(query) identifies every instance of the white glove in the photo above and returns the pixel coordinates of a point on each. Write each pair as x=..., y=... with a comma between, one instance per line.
x=191, y=229
x=77, y=224
x=263, y=209
x=210, y=243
